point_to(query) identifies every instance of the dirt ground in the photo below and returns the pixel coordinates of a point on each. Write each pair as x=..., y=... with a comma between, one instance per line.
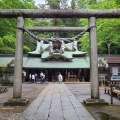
x=31, y=91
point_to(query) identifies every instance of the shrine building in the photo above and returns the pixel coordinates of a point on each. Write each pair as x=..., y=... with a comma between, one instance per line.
x=72, y=63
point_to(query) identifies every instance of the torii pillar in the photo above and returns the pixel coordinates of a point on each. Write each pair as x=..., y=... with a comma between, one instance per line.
x=93, y=59
x=94, y=81
x=17, y=89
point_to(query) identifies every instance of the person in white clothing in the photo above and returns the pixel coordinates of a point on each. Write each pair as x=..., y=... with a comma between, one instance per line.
x=33, y=78
x=43, y=78
x=60, y=78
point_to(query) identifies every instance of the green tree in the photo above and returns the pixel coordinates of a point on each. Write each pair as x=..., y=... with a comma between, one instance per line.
x=54, y=4
x=8, y=26
x=7, y=44
x=26, y=49
x=107, y=29
x=1, y=42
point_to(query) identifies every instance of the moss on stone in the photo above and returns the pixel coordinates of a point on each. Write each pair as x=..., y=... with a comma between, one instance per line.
x=16, y=100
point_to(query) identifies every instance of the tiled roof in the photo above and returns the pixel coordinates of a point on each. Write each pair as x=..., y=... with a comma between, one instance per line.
x=82, y=62
x=7, y=59
x=68, y=46
x=36, y=62
x=65, y=55
x=37, y=51
x=113, y=59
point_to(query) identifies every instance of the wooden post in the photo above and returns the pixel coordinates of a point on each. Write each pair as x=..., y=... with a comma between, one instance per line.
x=18, y=60
x=93, y=60
x=111, y=92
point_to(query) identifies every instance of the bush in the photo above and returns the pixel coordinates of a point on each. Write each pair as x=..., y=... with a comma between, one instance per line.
x=26, y=49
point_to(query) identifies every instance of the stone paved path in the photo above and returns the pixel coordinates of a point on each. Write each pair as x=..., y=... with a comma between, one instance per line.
x=56, y=102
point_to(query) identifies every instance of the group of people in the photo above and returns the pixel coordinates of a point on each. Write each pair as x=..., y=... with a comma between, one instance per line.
x=32, y=77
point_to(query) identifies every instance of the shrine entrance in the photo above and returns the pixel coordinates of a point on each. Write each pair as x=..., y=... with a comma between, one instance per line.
x=91, y=15
x=69, y=75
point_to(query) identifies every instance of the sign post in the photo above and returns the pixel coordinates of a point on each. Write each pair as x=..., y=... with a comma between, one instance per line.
x=114, y=79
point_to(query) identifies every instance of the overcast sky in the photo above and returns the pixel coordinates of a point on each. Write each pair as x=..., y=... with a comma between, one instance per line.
x=39, y=2
x=43, y=2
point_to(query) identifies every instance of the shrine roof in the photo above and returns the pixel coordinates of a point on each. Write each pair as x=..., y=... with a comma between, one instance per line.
x=82, y=62
x=37, y=51
x=68, y=45
x=68, y=51
x=67, y=55
x=6, y=59
x=113, y=59
x=36, y=62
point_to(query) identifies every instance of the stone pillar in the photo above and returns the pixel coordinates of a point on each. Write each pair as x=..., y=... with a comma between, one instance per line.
x=93, y=60
x=17, y=90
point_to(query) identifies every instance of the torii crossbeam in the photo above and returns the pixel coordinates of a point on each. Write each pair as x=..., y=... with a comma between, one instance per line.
x=90, y=14
x=55, y=13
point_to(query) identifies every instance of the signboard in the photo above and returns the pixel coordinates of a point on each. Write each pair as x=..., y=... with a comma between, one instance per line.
x=114, y=70
x=115, y=78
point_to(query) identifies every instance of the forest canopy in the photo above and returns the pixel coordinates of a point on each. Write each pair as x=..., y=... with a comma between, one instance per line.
x=108, y=30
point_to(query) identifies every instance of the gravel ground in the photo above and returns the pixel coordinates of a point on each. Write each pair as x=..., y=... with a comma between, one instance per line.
x=30, y=91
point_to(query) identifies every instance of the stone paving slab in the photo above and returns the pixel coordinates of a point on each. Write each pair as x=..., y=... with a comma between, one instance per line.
x=83, y=91
x=56, y=102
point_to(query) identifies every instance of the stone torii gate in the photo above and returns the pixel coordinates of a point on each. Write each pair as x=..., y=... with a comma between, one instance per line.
x=20, y=14
x=56, y=29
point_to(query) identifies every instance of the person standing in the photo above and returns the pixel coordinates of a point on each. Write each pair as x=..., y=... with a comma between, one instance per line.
x=33, y=78
x=41, y=74
x=43, y=78
x=60, y=78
